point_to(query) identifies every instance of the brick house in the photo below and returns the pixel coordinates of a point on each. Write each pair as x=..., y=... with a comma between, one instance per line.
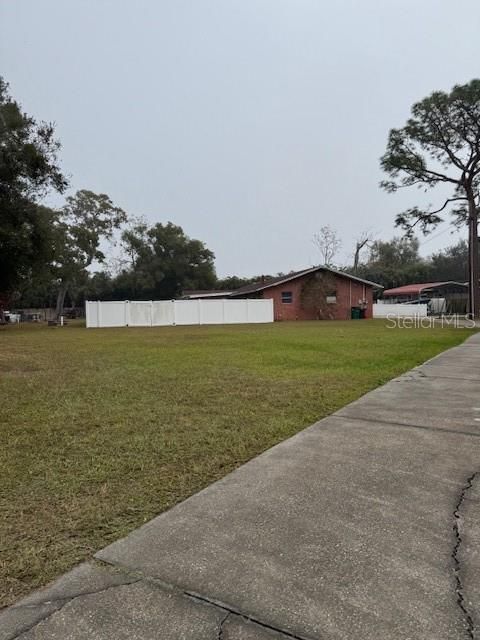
x=317, y=293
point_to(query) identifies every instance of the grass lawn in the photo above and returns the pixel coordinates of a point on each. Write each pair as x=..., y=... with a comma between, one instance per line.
x=102, y=429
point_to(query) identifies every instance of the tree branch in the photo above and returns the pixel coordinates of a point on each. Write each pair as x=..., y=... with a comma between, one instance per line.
x=445, y=146
x=445, y=204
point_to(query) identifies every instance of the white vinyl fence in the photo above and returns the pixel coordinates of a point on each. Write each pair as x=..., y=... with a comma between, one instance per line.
x=161, y=313
x=399, y=310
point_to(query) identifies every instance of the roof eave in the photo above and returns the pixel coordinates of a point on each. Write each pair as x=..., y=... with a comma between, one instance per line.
x=288, y=278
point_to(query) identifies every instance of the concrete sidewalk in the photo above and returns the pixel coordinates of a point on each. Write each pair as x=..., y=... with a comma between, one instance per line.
x=365, y=526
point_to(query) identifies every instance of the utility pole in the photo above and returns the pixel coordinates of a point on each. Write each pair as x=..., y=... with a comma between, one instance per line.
x=473, y=264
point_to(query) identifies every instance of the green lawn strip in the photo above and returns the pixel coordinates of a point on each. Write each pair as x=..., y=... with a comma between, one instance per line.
x=103, y=429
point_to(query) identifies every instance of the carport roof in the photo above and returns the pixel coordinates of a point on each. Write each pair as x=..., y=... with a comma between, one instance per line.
x=416, y=289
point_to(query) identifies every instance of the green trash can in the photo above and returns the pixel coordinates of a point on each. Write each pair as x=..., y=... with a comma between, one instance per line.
x=355, y=313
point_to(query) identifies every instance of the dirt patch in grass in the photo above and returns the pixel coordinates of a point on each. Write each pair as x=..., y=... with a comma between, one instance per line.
x=102, y=429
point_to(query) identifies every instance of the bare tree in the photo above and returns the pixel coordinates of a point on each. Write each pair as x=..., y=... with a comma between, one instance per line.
x=362, y=241
x=328, y=243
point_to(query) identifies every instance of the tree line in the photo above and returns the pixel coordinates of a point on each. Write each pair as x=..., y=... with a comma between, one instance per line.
x=395, y=262
x=48, y=255
x=160, y=262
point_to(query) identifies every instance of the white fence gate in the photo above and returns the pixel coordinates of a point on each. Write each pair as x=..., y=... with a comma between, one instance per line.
x=399, y=310
x=162, y=313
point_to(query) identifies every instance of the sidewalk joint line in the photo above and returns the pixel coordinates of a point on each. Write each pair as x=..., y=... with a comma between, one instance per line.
x=426, y=376
x=249, y=618
x=193, y=595
x=404, y=424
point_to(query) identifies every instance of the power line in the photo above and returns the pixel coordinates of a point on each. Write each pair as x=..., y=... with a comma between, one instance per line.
x=436, y=235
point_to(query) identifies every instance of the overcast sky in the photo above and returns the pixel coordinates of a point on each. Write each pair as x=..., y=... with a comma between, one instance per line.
x=250, y=123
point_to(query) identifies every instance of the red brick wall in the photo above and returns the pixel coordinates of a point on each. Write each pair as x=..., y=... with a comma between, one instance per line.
x=349, y=293
x=285, y=311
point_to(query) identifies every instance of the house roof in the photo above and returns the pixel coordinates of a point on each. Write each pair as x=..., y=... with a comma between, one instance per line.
x=416, y=289
x=272, y=282
x=205, y=293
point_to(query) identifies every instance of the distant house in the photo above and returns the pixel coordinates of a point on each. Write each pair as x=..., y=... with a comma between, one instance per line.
x=195, y=294
x=317, y=293
x=426, y=291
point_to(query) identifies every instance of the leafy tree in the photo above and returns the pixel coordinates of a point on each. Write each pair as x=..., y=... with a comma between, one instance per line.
x=394, y=263
x=28, y=170
x=450, y=263
x=26, y=244
x=85, y=221
x=98, y=287
x=135, y=245
x=163, y=261
x=158, y=262
x=28, y=152
x=440, y=145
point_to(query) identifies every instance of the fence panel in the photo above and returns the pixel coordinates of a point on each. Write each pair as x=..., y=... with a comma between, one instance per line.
x=110, y=314
x=140, y=313
x=91, y=314
x=259, y=311
x=235, y=311
x=211, y=311
x=399, y=310
x=147, y=313
x=163, y=313
x=187, y=312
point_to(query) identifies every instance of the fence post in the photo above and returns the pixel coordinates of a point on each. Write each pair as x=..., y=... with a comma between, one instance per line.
x=174, y=319
x=99, y=324
x=199, y=305
x=127, y=313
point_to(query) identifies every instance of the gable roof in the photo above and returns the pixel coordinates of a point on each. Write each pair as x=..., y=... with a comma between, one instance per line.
x=273, y=282
x=417, y=288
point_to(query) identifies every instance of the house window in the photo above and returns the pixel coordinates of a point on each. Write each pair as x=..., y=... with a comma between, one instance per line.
x=287, y=297
x=331, y=298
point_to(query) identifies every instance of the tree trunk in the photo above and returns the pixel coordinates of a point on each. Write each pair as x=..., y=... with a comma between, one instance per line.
x=60, y=300
x=473, y=262
x=362, y=242
x=356, y=257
